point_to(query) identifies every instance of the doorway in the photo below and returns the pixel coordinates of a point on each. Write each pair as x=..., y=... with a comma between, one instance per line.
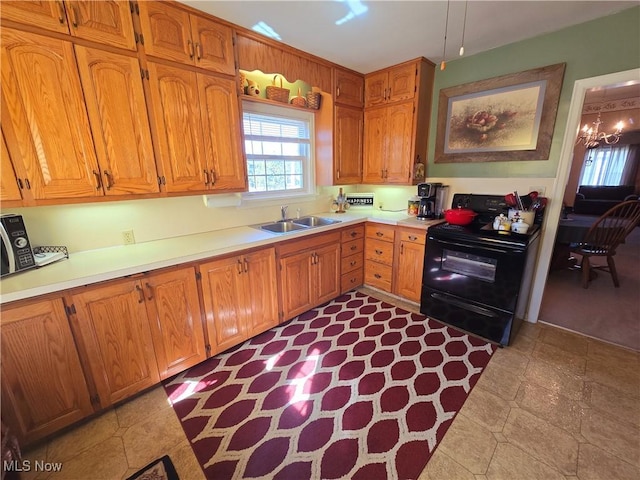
x=560, y=302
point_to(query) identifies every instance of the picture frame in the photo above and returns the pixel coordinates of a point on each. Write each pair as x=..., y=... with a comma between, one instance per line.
x=506, y=118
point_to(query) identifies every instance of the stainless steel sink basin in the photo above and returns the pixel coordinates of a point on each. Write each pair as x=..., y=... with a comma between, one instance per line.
x=312, y=221
x=282, y=227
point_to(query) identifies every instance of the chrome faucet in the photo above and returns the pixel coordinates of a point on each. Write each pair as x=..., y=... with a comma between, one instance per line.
x=283, y=212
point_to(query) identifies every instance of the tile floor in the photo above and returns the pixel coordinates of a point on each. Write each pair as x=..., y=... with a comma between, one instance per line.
x=554, y=405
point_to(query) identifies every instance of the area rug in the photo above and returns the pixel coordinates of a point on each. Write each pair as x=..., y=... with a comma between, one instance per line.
x=160, y=469
x=356, y=388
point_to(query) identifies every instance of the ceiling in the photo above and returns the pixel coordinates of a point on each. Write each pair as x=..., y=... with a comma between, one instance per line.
x=376, y=34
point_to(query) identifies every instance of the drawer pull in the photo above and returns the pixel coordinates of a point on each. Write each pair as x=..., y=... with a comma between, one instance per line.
x=353, y=234
x=353, y=263
x=377, y=275
x=413, y=238
x=379, y=252
x=353, y=280
x=354, y=247
x=380, y=234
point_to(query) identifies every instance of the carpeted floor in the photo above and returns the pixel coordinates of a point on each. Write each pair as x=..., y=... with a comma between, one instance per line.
x=357, y=388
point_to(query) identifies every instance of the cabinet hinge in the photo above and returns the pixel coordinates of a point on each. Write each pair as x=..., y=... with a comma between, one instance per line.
x=198, y=276
x=71, y=309
x=141, y=39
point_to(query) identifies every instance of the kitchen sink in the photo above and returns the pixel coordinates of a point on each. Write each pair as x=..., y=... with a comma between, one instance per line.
x=312, y=221
x=282, y=227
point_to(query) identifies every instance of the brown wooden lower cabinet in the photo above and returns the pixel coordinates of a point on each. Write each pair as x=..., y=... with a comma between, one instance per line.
x=240, y=297
x=409, y=262
x=43, y=385
x=309, y=272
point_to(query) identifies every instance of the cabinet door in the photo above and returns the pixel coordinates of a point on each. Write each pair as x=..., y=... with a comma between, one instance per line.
x=44, y=14
x=261, y=291
x=166, y=32
x=225, y=308
x=107, y=22
x=348, y=131
x=375, y=134
x=399, y=145
x=43, y=386
x=176, y=116
x=114, y=326
x=408, y=281
x=375, y=88
x=297, y=284
x=44, y=108
x=175, y=319
x=9, y=189
x=222, y=136
x=213, y=45
x=327, y=273
x=119, y=121
x=349, y=88
x=402, y=83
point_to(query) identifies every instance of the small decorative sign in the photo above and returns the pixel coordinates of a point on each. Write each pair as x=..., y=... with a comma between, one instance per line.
x=360, y=199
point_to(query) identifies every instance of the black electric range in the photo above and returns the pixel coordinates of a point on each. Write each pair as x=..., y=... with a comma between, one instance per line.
x=476, y=278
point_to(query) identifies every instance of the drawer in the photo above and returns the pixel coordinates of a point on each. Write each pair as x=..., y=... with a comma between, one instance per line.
x=380, y=231
x=379, y=251
x=378, y=275
x=413, y=236
x=352, y=233
x=352, y=247
x=351, y=280
x=352, y=262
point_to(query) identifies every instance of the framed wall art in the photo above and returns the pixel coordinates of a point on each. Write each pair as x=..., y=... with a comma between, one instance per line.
x=505, y=118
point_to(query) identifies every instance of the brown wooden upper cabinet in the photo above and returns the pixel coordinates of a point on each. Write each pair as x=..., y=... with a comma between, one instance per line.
x=9, y=190
x=174, y=34
x=391, y=84
x=107, y=22
x=349, y=88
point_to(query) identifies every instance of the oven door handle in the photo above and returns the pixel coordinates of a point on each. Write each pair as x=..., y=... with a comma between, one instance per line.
x=485, y=248
x=459, y=303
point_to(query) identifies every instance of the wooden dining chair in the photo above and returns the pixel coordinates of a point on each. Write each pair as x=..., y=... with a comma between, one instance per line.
x=604, y=236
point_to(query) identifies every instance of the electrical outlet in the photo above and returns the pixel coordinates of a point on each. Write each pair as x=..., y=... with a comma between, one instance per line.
x=128, y=238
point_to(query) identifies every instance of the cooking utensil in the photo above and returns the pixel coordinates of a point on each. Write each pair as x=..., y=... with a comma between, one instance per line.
x=459, y=216
x=518, y=200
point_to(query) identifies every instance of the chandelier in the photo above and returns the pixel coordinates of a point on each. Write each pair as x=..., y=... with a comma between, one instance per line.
x=592, y=138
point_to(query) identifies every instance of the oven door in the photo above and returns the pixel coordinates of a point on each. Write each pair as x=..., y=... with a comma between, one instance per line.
x=485, y=274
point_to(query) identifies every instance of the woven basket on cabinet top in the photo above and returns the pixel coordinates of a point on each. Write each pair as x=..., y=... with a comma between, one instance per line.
x=313, y=100
x=278, y=94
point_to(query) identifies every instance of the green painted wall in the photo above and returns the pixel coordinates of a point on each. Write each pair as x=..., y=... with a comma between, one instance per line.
x=607, y=45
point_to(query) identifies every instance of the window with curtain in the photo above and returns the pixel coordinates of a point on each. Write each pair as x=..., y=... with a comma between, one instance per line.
x=610, y=165
x=279, y=149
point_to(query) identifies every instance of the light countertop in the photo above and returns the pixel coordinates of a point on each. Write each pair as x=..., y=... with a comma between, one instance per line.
x=92, y=266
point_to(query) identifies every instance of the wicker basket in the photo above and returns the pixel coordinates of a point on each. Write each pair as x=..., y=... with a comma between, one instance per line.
x=278, y=94
x=299, y=101
x=313, y=100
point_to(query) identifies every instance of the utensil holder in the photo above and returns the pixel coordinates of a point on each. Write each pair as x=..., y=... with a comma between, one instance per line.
x=278, y=94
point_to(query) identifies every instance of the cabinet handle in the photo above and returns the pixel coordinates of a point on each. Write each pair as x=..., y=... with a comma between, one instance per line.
x=353, y=263
x=401, y=248
x=239, y=265
x=413, y=238
x=384, y=94
x=20, y=184
x=354, y=247
x=213, y=177
x=377, y=275
x=246, y=265
x=27, y=183
x=206, y=177
x=148, y=285
x=60, y=12
x=389, y=96
x=380, y=234
x=379, y=252
x=338, y=91
x=353, y=234
x=109, y=178
x=190, y=44
x=353, y=280
x=141, y=293
x=74, y=16
x=98, y=180
x=198, y=51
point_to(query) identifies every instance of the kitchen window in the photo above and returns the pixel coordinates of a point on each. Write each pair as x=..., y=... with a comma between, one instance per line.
x=279, y=149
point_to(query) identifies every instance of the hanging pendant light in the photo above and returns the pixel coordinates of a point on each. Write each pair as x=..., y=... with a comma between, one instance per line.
x=443, y=64
x=464, y=27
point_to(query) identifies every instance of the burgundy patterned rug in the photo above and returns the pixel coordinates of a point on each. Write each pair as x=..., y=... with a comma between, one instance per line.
x=356, y=388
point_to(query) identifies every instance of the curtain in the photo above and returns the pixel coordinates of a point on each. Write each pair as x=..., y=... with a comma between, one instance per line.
x=610, y=165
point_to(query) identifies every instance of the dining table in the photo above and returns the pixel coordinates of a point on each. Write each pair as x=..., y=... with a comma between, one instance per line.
x=572, y=228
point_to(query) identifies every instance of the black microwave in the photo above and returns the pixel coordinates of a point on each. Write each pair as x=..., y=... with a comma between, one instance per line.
x=16, y=249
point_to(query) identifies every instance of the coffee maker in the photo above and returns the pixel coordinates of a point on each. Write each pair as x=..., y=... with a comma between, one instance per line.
x=427, y=192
